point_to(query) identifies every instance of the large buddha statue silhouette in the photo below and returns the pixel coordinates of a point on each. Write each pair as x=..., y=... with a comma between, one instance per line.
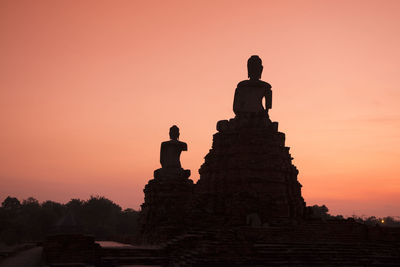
x=249, y=93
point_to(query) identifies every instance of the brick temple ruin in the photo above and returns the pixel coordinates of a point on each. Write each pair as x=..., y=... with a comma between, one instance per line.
x=247, y=209
x=247, y=178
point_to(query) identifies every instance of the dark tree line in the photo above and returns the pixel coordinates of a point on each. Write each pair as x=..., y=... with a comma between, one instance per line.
x=101, y=217
x=322, y=213
x=32, y=221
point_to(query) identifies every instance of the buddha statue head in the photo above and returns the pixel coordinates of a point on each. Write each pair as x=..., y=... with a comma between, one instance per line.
x=254, y=67
x=174, y=132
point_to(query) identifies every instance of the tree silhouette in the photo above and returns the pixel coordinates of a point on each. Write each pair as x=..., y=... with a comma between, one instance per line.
x=11, y=203
x=32, y=221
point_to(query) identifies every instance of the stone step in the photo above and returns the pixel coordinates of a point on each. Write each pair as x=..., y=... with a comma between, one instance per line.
x=134, y=260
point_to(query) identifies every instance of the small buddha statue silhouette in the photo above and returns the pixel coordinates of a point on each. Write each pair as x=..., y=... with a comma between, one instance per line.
x=170, y=153
x=250, y=93
x=171, y=150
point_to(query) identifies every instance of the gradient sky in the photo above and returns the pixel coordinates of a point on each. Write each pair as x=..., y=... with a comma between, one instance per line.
x=89, y=89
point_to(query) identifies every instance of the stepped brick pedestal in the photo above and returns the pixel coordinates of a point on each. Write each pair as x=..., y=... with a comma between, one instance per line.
x=248, y=176
x=165, y=206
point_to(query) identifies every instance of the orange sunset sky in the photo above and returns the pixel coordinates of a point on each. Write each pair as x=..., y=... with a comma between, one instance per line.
x=89, y=89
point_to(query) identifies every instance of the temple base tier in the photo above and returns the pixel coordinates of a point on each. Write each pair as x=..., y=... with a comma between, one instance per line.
x=248, y=177
x=167, y=198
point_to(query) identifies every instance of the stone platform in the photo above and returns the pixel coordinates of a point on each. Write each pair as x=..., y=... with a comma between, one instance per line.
x=333, y=243
x=113, y=254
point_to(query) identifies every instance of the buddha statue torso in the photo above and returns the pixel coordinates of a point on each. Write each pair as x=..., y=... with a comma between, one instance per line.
x=249, y=95
x=170, y=153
